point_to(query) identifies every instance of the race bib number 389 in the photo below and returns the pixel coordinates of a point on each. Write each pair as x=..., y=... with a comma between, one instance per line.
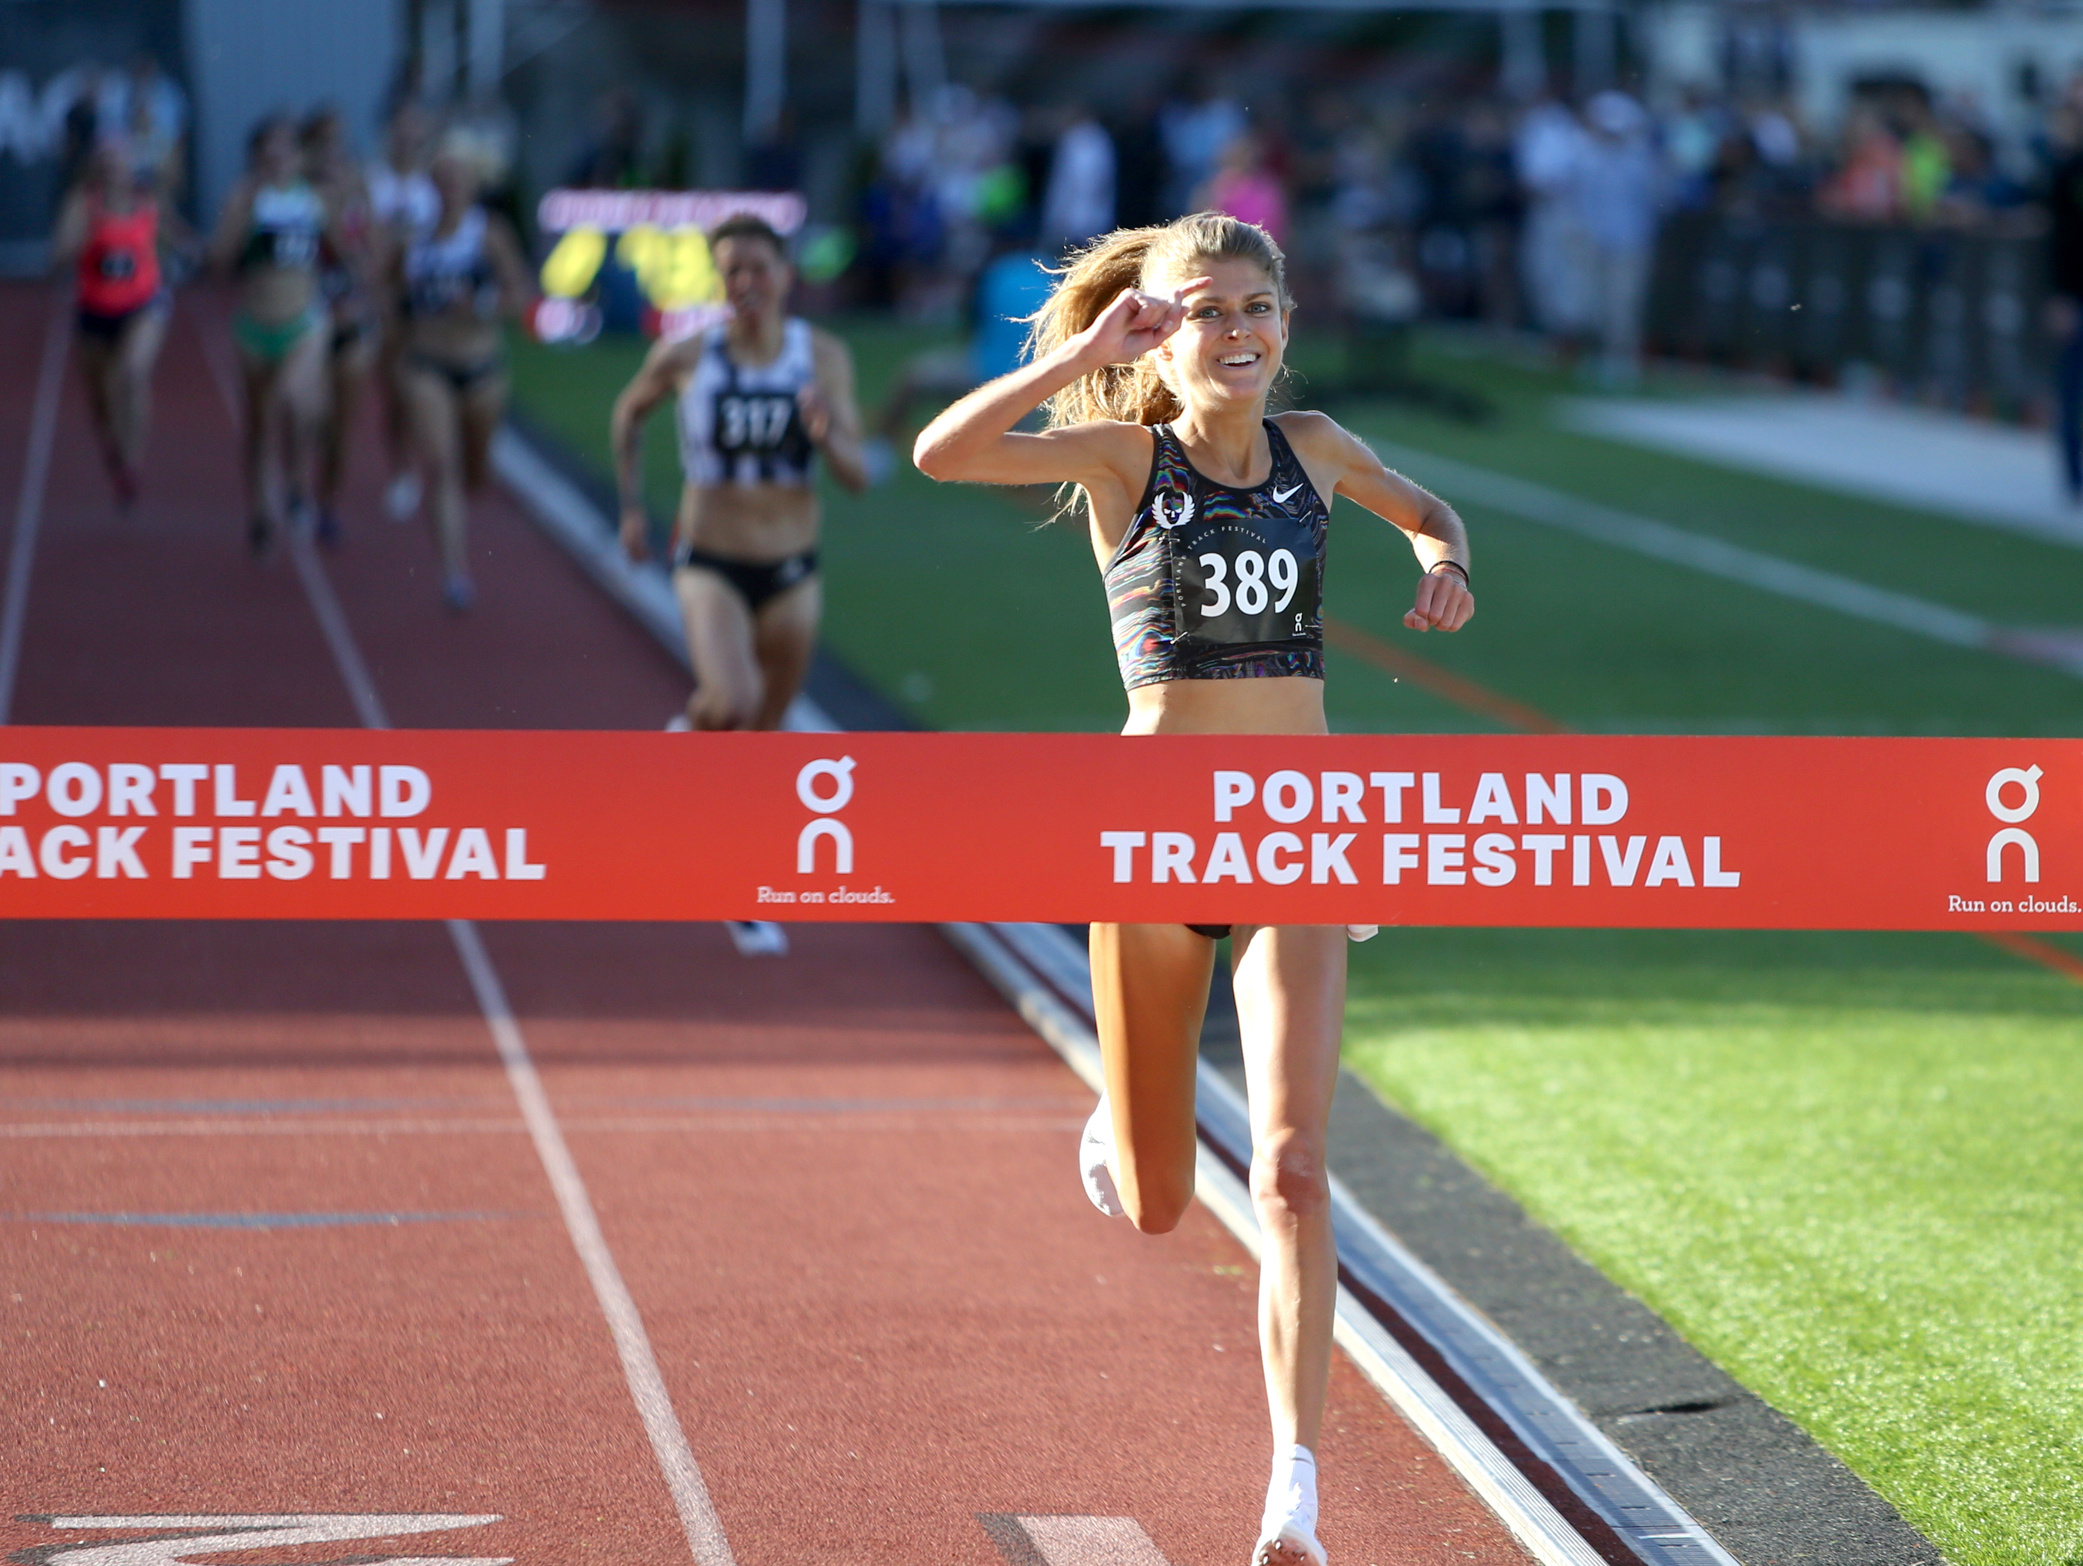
x=1235, y=587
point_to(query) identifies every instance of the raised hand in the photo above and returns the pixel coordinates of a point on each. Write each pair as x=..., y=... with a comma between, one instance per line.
x=1444, y=602
x=1135, y=323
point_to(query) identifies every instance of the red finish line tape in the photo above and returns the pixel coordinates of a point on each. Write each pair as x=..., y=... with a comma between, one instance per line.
x=1376, y=829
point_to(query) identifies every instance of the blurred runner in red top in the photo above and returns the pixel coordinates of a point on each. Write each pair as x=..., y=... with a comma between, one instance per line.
x=109, y=230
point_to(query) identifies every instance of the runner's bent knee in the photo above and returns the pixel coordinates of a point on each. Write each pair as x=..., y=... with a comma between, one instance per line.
x=1156, y=1206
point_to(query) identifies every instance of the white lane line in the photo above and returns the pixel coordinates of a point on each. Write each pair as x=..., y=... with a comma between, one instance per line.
x=1966, y=470
x=318, y=587
x=1071, y=1541
x=339, y=638
x=90, y=1128
x=28, y=508
x=762, y=1125
x=683, y=1476
x=1771, y=573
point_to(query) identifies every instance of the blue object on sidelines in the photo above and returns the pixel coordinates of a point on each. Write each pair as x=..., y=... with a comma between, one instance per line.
x=1010, y=288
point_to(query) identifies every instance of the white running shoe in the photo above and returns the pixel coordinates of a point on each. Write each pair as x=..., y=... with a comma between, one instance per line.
x=1287, y=1534
x=1362, y=932
x=1096, y=1161
x=679, y=723
x=1289, y=1548
x=402, y=495
x=757, y=937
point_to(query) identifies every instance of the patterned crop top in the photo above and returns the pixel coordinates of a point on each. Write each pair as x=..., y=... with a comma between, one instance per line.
x=1215, y=583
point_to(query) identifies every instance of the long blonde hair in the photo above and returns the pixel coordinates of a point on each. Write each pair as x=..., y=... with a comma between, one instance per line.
x=1131, y=258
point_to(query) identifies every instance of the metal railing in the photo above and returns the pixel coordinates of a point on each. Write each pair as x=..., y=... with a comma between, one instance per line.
x=1944, y=315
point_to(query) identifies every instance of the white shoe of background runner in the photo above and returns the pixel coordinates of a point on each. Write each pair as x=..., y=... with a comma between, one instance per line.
x=757, y=937
x=1362, y=932
x=752, y=937
x=1095, y=1161
x=401, y=496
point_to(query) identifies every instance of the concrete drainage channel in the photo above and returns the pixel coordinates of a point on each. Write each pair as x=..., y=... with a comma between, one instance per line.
x=1516, y=1440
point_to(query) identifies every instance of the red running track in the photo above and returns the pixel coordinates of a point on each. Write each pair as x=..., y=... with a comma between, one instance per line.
x=276, y=1240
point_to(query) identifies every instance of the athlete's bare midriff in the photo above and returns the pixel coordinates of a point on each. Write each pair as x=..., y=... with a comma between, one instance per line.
x=277, y=295
x=461, y=338
x=757, y=523
x=1269, y=705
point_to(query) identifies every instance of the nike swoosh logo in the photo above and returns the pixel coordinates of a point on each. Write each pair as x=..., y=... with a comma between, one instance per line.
x=1280, y=495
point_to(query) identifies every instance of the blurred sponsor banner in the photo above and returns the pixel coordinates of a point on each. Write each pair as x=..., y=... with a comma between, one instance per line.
x=640, y=258
x=1948, y=313
x=1422, y=830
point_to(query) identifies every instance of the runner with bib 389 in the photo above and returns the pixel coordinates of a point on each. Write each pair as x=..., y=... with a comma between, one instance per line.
x=1154, y=358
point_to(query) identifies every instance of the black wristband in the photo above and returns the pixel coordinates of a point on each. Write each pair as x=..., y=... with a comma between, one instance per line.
x=1452, y=565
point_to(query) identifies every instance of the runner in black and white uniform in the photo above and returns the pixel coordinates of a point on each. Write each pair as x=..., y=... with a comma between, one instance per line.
x=1210, y=523
x=453, y=287
x=759, y=399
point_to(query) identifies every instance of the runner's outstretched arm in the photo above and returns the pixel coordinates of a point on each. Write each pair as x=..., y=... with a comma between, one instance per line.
x=1437, y=536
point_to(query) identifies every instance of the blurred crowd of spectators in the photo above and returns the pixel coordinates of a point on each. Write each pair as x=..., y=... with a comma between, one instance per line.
x=1538, y=215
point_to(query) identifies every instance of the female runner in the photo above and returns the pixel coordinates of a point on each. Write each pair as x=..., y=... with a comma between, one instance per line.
x=269, y=236
x=403, y=205
x=760, y=399
x=452, y=285
x=109, y=231
x=344, y=264
x=1154, y=358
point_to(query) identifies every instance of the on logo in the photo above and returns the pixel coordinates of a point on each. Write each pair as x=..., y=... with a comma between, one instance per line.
x=2026, y=779
x=167, y=1541
x=838, y=776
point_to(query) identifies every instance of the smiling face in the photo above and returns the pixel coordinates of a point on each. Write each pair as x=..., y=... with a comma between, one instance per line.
x=1229, y=348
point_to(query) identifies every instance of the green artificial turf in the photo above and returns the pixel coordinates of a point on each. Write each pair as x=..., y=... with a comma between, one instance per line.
x=1849, y=1168
x=1846, y=1167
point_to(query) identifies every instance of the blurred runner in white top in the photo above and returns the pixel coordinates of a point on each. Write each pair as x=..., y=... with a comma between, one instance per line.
x=1078, y=204
x=403, y=206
